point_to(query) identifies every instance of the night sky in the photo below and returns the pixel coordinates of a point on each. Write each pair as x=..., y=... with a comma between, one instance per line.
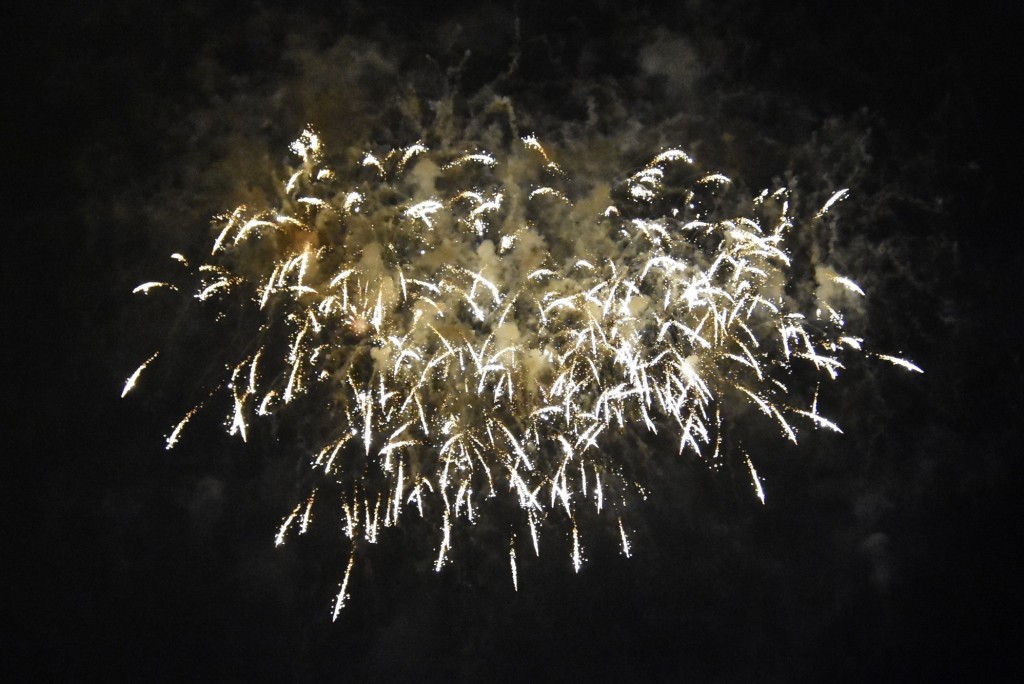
x=883, y=554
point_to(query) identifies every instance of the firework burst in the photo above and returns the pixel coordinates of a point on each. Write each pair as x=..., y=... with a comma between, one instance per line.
x=468, y=328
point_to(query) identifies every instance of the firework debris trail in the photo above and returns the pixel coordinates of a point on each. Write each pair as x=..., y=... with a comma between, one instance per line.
x=473, y=327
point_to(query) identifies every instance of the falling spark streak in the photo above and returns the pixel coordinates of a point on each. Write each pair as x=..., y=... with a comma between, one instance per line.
x=625, y=540
x=837, y=197
x=144, y=288
x=129, y=384
x=512, y=562
x=279, y=539
x=172, y=439
x=463, y=355
x=339, y=602
x=577, y=558
x=903, y=363
x=756, y=480
x=848, y=284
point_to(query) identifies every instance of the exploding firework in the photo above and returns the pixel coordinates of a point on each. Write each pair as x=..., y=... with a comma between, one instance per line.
x=466, y=327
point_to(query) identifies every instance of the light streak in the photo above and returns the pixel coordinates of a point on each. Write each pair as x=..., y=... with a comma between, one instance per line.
x=343, y=596
x=839, y=196
x=758, y=489
x=457, y=371
x=512, y=562
x=129, y=384
x=625, y=540
x=903, y=363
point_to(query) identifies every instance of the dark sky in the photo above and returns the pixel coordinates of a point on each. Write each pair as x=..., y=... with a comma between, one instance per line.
x=884, y=554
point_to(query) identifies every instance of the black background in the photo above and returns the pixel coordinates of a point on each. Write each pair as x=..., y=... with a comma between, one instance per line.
x=886, y=554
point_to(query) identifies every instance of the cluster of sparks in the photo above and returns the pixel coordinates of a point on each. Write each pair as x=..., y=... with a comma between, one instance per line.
x=467, y=334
